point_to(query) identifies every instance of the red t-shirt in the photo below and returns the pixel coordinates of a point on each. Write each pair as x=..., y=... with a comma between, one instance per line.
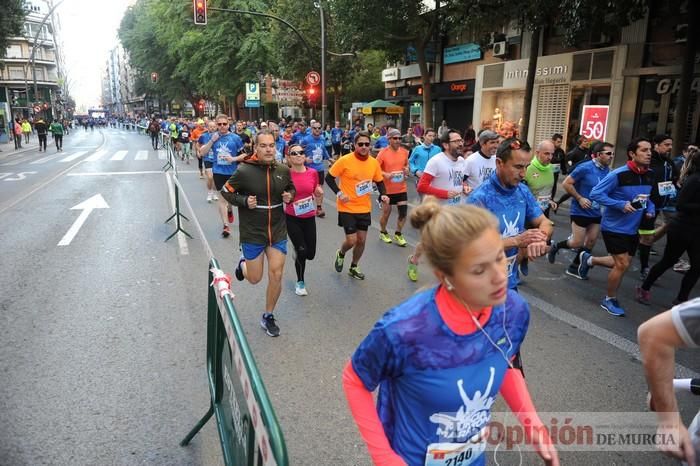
x=305, y=183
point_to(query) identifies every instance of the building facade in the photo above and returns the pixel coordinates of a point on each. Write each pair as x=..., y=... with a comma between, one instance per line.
x=32, y=79
x=119, y=95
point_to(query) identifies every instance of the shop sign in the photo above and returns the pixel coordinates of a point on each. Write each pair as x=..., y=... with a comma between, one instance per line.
x=594, y=122
x=551, y=69
x=461, y=53
x=390, y=74
x=456, y=89
x=667, y=85
x=252, y=91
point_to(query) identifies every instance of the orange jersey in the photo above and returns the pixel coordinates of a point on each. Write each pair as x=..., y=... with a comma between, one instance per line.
x=196, y=133
x=394, y=162
x=356, y=177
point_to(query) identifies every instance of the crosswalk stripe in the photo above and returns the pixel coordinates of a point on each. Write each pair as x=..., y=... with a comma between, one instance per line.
x=119, y=155
x=162, y=155
x=45, y=159
x=96, y=156
x=142, y=155
x=72, y=157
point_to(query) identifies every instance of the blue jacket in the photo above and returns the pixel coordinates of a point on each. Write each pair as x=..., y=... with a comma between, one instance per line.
x=420, y=156
x=618, y=188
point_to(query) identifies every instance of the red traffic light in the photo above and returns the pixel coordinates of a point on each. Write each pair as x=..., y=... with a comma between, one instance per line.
x=154, y=77
x=200, y=12
x=312, y=90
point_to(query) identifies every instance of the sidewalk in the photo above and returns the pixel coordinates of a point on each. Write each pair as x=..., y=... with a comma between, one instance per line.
x=8, y=150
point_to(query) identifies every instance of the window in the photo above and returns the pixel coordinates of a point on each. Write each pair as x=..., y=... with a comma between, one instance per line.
x=15, y=72
x=14, y=51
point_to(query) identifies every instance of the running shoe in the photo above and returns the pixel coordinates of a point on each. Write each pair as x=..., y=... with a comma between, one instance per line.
x=642, y=296
x=319, y=212
x=399, y=240
x=572, y=271
x=268, y=323
x=229, y=212
x=613, y=307
x=201, y=175
x=523, y=267
x=652, y=252
x=355, y=272
x=583, y=267
x=339, y=260
x=226, y=231
x=214, y=196
x=681, y=266
x=552, y=253
x=210, y=197
x=643, y=273
x=239, y=270
x=300, y=289
x=412, y=270
x=384, y=236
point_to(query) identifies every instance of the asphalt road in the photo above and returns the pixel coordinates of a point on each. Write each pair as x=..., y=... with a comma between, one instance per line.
x=103, y=348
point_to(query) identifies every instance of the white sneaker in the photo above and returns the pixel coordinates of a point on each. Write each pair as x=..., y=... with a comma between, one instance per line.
x=209, y=197
x=300, y=289
x=214, y=196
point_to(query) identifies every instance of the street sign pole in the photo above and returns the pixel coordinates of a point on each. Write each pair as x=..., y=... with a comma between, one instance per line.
x=323, y=68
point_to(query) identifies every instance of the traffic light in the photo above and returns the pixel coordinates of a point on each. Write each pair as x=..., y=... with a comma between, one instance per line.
x=311, y=92
x=200, y=106
x=200, y=12
x=154, y=77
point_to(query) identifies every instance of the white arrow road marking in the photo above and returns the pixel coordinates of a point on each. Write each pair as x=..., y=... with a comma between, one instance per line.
x=95, y=202
x=20, y=176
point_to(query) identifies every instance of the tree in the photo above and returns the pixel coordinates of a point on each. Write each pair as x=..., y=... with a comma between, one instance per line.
x=13, y=14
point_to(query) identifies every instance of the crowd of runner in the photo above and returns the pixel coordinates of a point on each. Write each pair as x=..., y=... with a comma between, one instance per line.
x=441, y=357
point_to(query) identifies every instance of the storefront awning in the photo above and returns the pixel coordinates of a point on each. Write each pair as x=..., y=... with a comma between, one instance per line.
x=381, y=106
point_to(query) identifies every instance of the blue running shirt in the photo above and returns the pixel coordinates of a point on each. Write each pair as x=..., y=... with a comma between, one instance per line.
x=230, y=144
x=586, y=176
x=436, y=388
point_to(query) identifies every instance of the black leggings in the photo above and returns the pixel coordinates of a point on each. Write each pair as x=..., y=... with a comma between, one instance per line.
x=678, y=241
x=302, y=232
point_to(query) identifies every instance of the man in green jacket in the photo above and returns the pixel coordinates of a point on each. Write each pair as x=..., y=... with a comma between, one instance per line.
x=260, y=187
x=539, y=176
x=56, y=129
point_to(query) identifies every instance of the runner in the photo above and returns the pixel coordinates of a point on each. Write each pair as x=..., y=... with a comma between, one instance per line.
x=336, y=139
x=482, y=163
x=42, y=132
x=197, y=132
x=585, y=214
x=259, y=188
x=523, y=226
x=184, y=140
x=441, y=357
x=422, y=153
x=683, y=233
x=356, y=172
x=301, y=214
x=315, y=149
x=56, y=129
x=393, y=161
x=208, y=160
x=154, y=132
x=539, y=176
x=227, y=150
x=624, y=193
x=664, y=176
x=443, y=178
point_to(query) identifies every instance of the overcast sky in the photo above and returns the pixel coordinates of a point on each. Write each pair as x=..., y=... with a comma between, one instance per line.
x=89, y=31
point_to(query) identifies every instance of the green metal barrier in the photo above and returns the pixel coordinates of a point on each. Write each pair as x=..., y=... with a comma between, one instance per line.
x=248, y=429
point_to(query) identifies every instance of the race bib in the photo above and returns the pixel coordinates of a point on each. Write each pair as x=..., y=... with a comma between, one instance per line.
x=641, y=200
x=543, y=201
x=317, y=158
x=666, y=188
x=453, y=454
x=185, y=134
x=304, y=206
x=363, y=187
x=454, y=200
x=221, y=153
x=396, y=177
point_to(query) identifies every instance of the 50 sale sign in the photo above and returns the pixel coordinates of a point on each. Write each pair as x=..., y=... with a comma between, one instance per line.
x=594, y=122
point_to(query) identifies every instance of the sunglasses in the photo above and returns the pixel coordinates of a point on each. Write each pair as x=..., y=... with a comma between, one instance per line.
x=395, y=137
x=295, y=153
x=363, y=144
x=607, y=152
x=315, y=127
x=222, y=124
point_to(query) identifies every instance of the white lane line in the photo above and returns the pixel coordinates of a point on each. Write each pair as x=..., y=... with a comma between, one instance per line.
x=45, y=159
x=96, y=156
x=14, y=162
x=119, y=155
x=181, y=239
x=141, y=155
x=194, y=219
x=72, y=157
x=146, y=172
x=600, y=333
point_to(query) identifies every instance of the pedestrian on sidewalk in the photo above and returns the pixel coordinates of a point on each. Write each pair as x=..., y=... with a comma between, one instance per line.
x=56, y=129
x=17, y=133
x=41, y=131
x=26, y=130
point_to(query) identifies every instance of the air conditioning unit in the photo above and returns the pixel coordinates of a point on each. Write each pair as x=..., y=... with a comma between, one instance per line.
x=500, y=49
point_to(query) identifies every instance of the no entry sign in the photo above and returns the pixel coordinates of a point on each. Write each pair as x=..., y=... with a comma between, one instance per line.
x=594, y=122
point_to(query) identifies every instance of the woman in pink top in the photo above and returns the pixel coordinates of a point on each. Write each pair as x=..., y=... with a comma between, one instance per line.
x=301, y=213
